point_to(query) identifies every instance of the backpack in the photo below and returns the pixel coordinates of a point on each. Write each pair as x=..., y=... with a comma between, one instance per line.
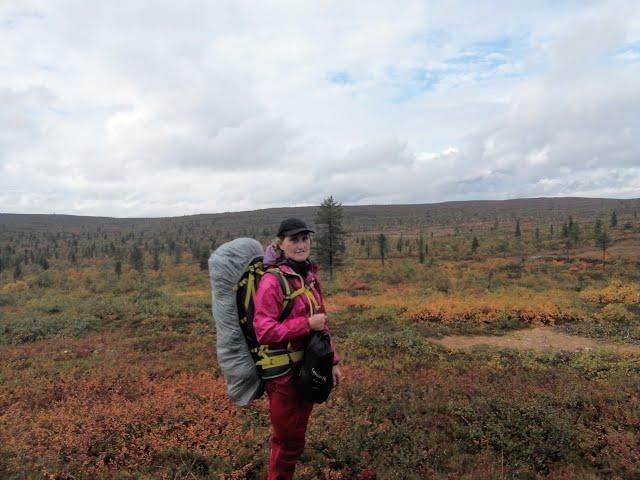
x=314, y=381
x=235, y=270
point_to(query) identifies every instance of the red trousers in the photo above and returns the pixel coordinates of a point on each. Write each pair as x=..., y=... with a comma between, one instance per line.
x=289, y=417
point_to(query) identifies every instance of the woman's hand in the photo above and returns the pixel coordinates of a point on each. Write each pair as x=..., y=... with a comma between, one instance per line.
x=338, y=376
x=318, y=321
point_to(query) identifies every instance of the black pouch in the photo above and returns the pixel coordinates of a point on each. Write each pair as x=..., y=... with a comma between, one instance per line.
x=314, y=381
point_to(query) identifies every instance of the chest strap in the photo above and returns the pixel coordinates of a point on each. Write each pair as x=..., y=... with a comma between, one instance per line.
x=307, y=291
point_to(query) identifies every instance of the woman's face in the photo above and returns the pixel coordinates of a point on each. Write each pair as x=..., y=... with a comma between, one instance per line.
x=296, y=247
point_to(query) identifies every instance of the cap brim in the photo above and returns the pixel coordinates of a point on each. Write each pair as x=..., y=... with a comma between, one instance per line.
x=296, y=231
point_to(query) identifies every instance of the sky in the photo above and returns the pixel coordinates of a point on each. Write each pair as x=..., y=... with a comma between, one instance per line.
x=156, y=108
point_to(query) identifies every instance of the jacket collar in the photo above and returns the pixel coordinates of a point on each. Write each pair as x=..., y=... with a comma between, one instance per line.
x=287, y=269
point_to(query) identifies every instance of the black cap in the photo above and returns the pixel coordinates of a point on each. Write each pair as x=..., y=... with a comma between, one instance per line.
x=293, y=226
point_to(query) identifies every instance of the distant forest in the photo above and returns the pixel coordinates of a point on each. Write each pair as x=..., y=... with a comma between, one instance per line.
x=450, y=230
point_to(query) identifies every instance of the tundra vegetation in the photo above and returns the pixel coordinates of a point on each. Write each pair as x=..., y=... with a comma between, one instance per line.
x=107, y=361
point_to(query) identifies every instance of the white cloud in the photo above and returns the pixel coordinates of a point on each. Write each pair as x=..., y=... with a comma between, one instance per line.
x=167, y=109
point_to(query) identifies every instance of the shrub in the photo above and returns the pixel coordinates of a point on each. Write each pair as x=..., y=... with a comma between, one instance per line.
x=532, y=433
x=615, y=292
x=17, y=286
x=26, y=330
x=616, y=312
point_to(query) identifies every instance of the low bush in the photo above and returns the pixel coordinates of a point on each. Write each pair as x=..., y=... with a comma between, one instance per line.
x=32, y=329
x=532, y=434
x=618, y=313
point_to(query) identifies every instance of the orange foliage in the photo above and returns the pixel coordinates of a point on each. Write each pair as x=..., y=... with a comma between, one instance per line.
x=535, y=310
x=124, y=421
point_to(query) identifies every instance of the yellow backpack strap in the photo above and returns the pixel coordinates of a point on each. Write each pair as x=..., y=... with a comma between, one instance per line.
x=307, y=291
x=287, y=305
x=255, y=271
x=272, y=361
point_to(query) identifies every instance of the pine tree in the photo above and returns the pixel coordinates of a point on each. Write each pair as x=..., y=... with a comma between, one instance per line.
x=17, y=270
x=155, y=259
x=503, y=246
x=203, y=259
x=330, y=236
x=136, y=258
x=44, y=263
x=118, y=268
x=614, y=219
x=474, y=245
x=421, y=245
x=382, y=246
x=574, y=232
x=603, y=242
x=518, y=232
x=597, y=229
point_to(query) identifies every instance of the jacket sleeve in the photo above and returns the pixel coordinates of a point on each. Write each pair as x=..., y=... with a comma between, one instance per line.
x=268, y=305
x=336, y=357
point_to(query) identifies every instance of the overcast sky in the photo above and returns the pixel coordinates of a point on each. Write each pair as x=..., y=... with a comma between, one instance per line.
x=170, y=108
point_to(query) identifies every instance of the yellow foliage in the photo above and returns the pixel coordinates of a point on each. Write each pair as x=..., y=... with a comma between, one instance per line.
x=18, y=286
x=615, y=292
x=615, y=312
x=195, y=293
x=534, y=310
x=401, y=296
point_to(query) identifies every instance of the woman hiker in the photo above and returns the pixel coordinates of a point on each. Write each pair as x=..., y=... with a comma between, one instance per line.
x=289, y=414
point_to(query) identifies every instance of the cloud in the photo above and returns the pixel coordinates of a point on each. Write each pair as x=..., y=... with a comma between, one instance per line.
x=168, y=109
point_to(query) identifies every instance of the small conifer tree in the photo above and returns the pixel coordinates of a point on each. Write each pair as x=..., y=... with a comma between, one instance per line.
x=17, y=270
x=382, y=246
x=474, y=245
x=603, y=242
x=136, y=258
x=203, y=260
x=155, y=259
x=597, y=229
x=330, y=236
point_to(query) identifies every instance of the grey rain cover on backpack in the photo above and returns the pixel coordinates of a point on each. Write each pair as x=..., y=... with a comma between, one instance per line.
x=226, y=265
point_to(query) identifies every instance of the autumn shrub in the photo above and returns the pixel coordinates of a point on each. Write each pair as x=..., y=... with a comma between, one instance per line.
x=177, y=462
x=440, y=282
x=403, y=345
x=34, y=328
x=17, y=286
x=628, y=332
x=45, y=279
x=490, y=309
x=106, y=307
x=527, y=434
x=6, y=299
x=616, y=291
x=616, y=312
x=51, y=302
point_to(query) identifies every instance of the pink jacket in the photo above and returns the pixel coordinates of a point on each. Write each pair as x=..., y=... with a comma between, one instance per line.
x=295, y=328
